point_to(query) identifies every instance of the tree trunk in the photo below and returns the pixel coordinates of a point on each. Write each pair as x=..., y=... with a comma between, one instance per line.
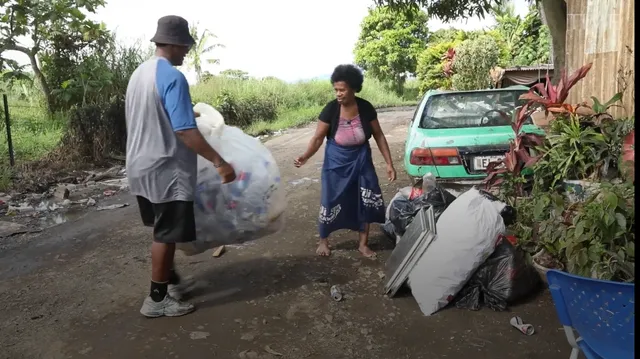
x=44, y=86
x=399, y=85
x=555, y=16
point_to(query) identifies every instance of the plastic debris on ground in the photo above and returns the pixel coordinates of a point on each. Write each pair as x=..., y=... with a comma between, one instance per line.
x=250, y=207
x=518, y=323
x=404, y=206
x=505, y=277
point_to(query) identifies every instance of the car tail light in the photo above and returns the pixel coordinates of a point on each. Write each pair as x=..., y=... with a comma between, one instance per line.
x=435, y=157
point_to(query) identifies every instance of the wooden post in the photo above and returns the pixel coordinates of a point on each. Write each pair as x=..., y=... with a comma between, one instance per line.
x=7, y=120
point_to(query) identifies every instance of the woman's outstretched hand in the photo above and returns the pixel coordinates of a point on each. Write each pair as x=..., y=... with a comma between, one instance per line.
x=300, y=161
x=391, y=172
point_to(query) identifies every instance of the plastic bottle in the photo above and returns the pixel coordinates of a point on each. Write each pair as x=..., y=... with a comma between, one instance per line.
x=428, y=183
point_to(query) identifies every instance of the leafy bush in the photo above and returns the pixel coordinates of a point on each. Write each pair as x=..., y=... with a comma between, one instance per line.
x=430, y=70
x=504, y=52
x=594, y=238
x=242, y=112
x=261, y=104
x=473, y=61
x=94, y=132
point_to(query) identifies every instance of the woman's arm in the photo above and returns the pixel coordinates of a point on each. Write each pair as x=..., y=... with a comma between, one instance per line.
x=383, y=146
x=315, y=143
x=378, y=135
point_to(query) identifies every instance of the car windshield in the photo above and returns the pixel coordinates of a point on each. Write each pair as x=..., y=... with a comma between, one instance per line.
x=471, y=109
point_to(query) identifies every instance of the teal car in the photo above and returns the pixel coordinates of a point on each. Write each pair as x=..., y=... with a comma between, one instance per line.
x=456, y=134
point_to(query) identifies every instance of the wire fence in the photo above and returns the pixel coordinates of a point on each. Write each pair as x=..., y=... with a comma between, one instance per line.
x=28, y=131
x=7, y=126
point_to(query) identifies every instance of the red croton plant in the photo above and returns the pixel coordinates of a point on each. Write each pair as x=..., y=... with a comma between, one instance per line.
x=552, y=98
x=448, y=56
x=628, y=156
x=519, y=156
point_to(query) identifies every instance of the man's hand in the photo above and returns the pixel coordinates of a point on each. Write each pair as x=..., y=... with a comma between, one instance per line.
x=300, y=161
x=227, y=172
x=391, y=172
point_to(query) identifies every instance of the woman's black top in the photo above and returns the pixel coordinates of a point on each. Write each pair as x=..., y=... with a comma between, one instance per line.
x=331, y=115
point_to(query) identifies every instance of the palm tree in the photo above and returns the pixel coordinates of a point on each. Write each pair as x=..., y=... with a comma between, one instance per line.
x=504, y=9
x=201, y=49
x=509, y=24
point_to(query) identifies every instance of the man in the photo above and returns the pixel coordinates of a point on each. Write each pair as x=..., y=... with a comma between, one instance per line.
x=163, y=142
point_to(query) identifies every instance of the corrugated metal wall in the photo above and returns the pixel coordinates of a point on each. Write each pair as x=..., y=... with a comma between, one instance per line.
x=602, y=32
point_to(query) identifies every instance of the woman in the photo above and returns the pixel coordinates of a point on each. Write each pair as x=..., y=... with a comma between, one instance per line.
x=350, y=197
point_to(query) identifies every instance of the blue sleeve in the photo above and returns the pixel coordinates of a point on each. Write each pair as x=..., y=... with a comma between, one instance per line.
x=173, y=89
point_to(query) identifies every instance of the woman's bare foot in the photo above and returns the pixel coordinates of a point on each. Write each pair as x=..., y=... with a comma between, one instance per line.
x=367, y=252
x=364, y=243
x=323, y=248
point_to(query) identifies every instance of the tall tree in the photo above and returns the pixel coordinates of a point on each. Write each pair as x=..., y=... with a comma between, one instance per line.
x=506, y=9
x=28, y=27
x=508, y=24
x=197, y=55
x=390, y=42
x=554, y=14
x=533, y=41
x=527, y=40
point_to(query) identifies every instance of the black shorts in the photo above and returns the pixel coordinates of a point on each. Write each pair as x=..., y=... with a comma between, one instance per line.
x=172, y=222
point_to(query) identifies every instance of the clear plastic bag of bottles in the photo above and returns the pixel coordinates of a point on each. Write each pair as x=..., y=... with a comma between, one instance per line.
x=246, y=209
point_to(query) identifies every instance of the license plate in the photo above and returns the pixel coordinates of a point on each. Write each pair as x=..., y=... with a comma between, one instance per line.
x=481, y=163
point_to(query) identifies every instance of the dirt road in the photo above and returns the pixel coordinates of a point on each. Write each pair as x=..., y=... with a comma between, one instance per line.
x=74, y=291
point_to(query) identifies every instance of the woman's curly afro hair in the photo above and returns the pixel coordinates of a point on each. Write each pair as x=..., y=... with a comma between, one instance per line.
x=349, y=74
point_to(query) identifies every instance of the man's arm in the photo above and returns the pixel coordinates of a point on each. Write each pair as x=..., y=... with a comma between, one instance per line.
x=177, y=102
x=196, y=142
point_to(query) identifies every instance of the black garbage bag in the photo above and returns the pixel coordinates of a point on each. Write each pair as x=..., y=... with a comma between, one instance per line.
x=508, y=213
x=439, y=199
x=401, y=213
x=503, y=278
x=389, y=230
x=402, y=210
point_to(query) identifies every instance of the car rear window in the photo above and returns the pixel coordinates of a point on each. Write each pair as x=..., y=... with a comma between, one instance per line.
x=470, y=109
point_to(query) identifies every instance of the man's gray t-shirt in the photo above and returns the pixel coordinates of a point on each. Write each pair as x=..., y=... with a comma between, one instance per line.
x=160, y=167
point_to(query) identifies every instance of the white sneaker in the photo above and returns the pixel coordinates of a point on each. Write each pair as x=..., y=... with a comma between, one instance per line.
x=177, y=291
x=168, y=307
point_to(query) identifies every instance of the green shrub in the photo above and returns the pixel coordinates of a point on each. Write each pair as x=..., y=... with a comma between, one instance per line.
x=263, y=105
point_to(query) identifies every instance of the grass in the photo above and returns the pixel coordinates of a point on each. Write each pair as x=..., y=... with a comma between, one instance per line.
x=278, y=105
x=261, y=106
x=287, y=119
x=33, y=132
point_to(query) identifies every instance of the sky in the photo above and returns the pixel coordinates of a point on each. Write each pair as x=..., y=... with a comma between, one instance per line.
x=290, y=39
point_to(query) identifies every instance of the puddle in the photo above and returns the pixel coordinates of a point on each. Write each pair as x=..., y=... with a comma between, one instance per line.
x=60, y=217
x=303, y=180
